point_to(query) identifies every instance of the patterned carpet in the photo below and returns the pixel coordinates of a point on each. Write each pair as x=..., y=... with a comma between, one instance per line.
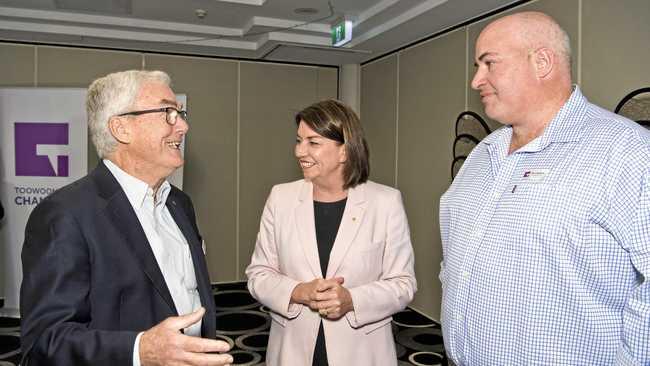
x=244, y=323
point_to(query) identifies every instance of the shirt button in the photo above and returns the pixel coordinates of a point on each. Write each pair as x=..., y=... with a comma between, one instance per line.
x=465, y=274
x=459, y=317
x=495, y=195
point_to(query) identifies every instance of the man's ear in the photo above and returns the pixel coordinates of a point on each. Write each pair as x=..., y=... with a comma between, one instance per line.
x=544, y=60
x=120, y=129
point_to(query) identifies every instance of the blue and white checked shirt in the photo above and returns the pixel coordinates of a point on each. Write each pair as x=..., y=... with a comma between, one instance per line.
x=547, y=250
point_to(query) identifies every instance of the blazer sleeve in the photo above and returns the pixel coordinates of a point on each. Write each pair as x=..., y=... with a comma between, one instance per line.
x=55, y=310
x=380, y=299
x=265, y=281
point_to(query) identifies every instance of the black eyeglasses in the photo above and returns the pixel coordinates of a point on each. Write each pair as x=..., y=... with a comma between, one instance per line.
x=171, y=114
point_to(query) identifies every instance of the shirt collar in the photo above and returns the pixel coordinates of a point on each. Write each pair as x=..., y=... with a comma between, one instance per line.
x=566, y=126
x=568, y=123
x=136, y=190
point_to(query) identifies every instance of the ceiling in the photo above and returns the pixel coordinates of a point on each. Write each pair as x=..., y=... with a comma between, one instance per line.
x=274, y=30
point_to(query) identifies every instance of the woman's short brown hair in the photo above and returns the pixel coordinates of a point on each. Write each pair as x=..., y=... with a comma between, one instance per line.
x=336, y=121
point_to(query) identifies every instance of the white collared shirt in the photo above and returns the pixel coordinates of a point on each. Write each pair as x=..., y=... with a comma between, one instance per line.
x=167, y=242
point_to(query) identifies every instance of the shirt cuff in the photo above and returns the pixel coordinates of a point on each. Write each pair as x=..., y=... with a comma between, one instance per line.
x=136, y=350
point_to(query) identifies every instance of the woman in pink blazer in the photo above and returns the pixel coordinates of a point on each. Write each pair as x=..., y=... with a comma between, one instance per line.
x=333, y=259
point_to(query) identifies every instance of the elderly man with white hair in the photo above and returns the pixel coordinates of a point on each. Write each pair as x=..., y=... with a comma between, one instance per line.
x=114, y=272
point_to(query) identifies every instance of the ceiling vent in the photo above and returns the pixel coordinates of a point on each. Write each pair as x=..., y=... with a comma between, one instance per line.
x=106, y=7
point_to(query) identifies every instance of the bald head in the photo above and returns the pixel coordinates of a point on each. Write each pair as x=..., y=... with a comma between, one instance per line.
x=523, y=70
x=533, y=30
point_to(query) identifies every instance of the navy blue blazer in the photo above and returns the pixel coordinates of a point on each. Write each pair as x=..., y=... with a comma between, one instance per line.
x=91, y=282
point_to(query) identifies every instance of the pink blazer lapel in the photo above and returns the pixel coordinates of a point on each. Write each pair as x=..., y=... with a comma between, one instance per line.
x=350, y=223
x=304, y=216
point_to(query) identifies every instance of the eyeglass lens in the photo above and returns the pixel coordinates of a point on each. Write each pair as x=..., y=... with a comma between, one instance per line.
x=172, y=114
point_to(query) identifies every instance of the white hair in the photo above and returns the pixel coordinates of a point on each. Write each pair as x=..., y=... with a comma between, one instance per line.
x=111, y=95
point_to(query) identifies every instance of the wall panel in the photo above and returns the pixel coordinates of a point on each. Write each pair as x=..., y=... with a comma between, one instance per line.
x=326, y=83
x=378, y=116
x=17, y=65
x=616, y=49
x=76, y=67
x=431, y=94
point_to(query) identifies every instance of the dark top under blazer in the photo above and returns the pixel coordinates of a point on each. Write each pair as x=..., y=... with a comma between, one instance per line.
x=91, y=281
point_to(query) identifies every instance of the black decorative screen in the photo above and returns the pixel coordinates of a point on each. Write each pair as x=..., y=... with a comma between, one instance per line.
x=470, y=130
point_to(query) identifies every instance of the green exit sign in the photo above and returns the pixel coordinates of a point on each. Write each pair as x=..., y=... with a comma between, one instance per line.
x=341, y=33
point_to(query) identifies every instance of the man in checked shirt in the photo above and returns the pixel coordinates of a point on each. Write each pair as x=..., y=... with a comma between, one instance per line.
x=546, y=228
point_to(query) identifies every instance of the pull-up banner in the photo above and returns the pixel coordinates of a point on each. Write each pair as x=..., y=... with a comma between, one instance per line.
x=43, y=132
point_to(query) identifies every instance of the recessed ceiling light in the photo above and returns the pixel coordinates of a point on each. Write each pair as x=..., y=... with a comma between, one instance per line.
x=305, y=11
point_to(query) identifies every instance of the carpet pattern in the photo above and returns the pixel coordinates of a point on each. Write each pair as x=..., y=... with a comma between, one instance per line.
x=244, y=324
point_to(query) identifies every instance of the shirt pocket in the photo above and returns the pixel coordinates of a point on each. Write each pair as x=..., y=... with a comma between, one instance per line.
x=536, y=210
x=531, y=200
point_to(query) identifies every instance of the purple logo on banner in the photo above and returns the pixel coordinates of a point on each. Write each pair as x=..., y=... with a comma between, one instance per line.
x=28, y=136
